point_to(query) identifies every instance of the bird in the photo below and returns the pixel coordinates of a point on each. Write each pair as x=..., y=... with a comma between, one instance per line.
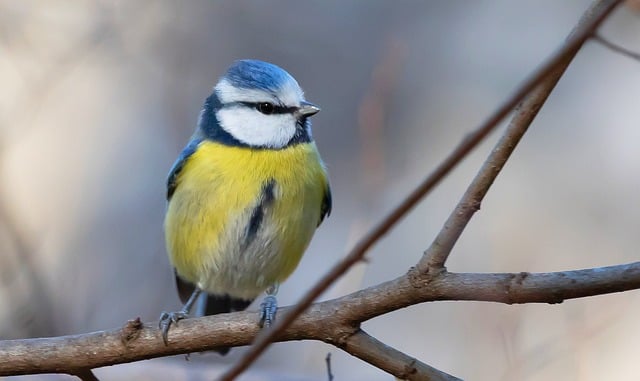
x=245, y=195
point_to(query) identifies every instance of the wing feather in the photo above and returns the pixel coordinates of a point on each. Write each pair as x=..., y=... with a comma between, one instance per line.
x=325, y=210
x=172, y=179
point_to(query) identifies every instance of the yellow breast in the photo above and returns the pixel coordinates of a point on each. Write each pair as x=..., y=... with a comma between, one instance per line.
x=207, y=217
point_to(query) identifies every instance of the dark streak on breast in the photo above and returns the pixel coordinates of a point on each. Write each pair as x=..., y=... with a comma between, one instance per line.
x=257, y=215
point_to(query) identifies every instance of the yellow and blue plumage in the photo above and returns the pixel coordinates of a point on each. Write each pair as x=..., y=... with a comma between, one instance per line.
x=246, y=194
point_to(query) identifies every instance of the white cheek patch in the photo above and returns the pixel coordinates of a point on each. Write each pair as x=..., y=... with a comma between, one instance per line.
x=256, y=129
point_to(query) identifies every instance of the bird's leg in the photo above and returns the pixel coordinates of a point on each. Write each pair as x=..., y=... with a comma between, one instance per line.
x=269, y=306
x=167, y=318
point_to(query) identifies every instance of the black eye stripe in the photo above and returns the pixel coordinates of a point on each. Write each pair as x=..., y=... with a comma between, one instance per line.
x=276, y=109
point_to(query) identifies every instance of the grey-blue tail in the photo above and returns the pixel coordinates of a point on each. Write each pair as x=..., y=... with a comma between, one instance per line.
x=210, y=304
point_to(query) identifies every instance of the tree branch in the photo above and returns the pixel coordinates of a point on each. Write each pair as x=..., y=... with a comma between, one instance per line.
x=327, y=360
x=542, y=83
x=507, y=288
x=335, y=321
x=338, y=321
x=616, y=48
x=555, y=65
x=380, y=355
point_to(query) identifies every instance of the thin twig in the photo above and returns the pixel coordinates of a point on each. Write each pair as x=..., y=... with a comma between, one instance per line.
x=616, y=48
x=327, y=360
x=436, y=255
x=589, y=22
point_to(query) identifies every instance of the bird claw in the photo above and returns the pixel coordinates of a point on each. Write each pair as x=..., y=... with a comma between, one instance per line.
x=268, y=309
x=168, y=318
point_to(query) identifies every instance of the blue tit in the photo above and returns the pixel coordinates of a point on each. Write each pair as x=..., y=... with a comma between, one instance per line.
x=245, y=195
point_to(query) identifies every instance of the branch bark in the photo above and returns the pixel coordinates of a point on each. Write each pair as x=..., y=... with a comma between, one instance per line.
x=382, y=356
x=338, y=321
x=334, y=321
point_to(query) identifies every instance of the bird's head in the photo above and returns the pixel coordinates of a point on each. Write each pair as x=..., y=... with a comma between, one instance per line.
x=257, y=104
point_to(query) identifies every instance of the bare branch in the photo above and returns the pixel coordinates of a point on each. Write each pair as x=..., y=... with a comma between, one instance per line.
x=544, y=81
x=327, y=360
x=404, y=367
x=616, y=48
x=586, y=26
x=338, y=321
x=508, y=288
x=335, y=321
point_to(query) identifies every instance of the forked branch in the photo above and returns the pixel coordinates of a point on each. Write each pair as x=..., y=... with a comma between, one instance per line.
x=338, y=321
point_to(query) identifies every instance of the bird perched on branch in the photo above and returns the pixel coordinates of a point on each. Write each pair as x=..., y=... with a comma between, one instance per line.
x=245, y=195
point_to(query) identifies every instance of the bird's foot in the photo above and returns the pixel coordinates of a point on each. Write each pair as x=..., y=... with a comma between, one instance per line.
x=168, y=318
x=268, y=309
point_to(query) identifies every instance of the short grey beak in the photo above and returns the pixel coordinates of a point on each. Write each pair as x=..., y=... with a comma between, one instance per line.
x=307, y=109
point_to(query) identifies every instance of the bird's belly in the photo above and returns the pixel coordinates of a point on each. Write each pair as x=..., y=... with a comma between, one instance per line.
x=247, y=269
x=226, y=261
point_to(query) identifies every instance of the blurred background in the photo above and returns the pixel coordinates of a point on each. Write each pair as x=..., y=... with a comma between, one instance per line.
x=99, y=97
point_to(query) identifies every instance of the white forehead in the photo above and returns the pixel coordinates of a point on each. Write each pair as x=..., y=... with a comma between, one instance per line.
x=288, y=93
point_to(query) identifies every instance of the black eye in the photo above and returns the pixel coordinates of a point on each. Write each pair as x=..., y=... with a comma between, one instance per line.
x=265, y=108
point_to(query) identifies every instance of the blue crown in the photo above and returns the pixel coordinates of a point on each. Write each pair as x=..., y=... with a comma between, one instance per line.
x=254, y=74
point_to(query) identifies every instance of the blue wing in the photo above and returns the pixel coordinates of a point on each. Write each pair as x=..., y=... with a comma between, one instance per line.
x=172, y=179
